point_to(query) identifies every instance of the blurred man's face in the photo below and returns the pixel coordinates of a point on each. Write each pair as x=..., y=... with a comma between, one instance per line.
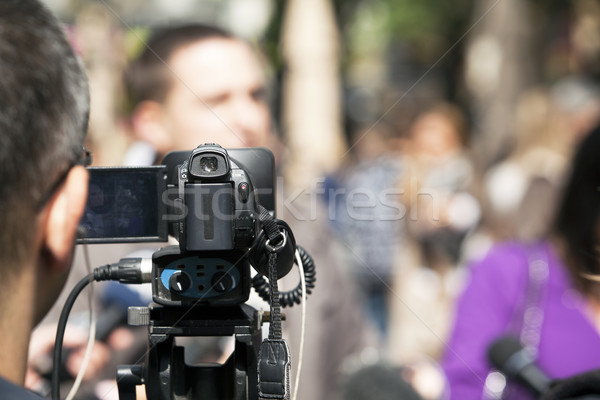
x=217, y=95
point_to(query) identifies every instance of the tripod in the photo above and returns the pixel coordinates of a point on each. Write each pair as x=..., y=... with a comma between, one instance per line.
x=165, y=374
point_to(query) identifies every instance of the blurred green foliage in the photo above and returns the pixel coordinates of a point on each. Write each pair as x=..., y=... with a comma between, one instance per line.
x=426, y=33
x=426, y=24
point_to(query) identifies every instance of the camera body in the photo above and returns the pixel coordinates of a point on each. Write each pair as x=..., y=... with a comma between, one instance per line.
x=220, y=206
x=216, y=224
x=206, y=199
x=219, y=210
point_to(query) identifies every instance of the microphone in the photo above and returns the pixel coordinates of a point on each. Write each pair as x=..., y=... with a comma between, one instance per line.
x=509, y=356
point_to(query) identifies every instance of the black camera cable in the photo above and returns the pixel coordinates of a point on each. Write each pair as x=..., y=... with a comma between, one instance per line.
x=128, y=270
x=294, y=296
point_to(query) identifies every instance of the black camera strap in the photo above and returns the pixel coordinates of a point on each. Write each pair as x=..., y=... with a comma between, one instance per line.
x=275, y=329
x=276, y=240
x=274, y=355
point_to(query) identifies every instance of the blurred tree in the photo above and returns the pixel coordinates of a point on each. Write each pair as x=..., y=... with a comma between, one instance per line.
x=311, y=98
x=480, y=54
x=373, y=32
x=501, y=61
x=427, y=30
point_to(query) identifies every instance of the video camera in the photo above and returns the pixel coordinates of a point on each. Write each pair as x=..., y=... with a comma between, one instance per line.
x=206, y=199
x=220, y=206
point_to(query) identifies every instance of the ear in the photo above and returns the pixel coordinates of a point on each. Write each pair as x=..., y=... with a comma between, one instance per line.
x=63, y=215
x=148, y=125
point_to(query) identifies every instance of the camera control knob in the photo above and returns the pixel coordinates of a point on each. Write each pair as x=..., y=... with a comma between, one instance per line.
x=179, y=282
x=222, y=282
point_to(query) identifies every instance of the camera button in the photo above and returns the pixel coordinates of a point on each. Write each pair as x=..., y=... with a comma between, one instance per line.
x=244, y=191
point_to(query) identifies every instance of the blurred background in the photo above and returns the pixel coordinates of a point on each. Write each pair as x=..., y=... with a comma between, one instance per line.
x=389, y=55
x=457, y=117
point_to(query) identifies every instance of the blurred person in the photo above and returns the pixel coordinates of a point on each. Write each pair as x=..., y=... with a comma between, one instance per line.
x=379, y=381
x=367, y=214
x=439, y=176
x=534, y=170
x=578, y=98
x=537, y=291
x=441, y=211
x=44, y=107
x=195, y=84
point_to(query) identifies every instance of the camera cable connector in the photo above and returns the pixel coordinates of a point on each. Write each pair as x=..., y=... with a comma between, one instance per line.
x=127, y=270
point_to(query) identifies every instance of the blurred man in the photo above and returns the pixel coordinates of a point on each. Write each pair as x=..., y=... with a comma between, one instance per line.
x=197, y=84
x=43, y=121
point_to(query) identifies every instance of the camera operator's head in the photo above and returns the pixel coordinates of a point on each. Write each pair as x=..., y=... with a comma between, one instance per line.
x=44, y=107
x=195, y=84
x=578, y=216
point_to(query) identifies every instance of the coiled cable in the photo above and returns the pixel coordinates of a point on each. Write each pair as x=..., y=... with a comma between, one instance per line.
x=289, y=298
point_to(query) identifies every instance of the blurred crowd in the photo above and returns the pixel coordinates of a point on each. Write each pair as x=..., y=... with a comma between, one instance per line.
x=398, y=227
x=429, y=213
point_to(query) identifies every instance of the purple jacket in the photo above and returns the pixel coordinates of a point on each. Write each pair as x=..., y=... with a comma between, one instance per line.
x=569, y=343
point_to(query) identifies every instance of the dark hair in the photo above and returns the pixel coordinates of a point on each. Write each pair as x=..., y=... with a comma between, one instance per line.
x=44, y=105
x=578, y=216
x=148, y=77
